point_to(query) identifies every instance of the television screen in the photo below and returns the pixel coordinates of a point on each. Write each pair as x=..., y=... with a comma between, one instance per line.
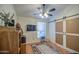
x=31, y=27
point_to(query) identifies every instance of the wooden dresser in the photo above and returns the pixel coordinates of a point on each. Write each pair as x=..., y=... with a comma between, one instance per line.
x=9, y=40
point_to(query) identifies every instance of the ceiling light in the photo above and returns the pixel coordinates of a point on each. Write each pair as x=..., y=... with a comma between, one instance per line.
x=40, y=15
x=45, y=14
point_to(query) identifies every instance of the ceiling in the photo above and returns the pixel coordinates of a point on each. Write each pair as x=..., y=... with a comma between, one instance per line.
x=25, y=10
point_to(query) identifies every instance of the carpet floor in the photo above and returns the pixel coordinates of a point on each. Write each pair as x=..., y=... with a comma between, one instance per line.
x=43, y=49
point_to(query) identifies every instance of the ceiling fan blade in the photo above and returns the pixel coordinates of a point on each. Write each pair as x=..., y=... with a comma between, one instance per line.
x=53, y=9
x=50, y=15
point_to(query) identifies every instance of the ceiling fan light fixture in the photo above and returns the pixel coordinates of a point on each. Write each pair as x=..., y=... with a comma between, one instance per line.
x=40, y=15
x=45, y=14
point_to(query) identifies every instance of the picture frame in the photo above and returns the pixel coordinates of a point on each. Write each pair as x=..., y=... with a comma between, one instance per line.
x=31, y=28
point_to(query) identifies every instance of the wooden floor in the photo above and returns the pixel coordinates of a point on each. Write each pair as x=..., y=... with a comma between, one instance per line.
x=26, y=49
x=29, y=49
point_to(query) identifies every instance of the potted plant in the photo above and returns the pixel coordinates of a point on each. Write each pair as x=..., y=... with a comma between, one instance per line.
x=5, y=17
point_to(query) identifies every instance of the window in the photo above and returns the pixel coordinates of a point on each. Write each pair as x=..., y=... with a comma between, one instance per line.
x=41, y=30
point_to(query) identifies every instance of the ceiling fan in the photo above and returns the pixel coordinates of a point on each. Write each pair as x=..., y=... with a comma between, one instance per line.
x=44, y=12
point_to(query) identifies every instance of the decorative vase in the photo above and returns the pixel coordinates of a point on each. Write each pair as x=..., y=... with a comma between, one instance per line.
x=6, y=22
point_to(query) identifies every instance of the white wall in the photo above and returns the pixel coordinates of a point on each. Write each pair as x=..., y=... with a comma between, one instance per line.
x=30, y=36
x=52, y=31
x=69, y=10
x=8, y=8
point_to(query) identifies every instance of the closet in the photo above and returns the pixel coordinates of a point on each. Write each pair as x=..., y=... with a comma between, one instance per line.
x=9, y=40
x=67, y=33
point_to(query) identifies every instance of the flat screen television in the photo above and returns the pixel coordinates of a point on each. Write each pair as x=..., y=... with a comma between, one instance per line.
x=31, y=27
